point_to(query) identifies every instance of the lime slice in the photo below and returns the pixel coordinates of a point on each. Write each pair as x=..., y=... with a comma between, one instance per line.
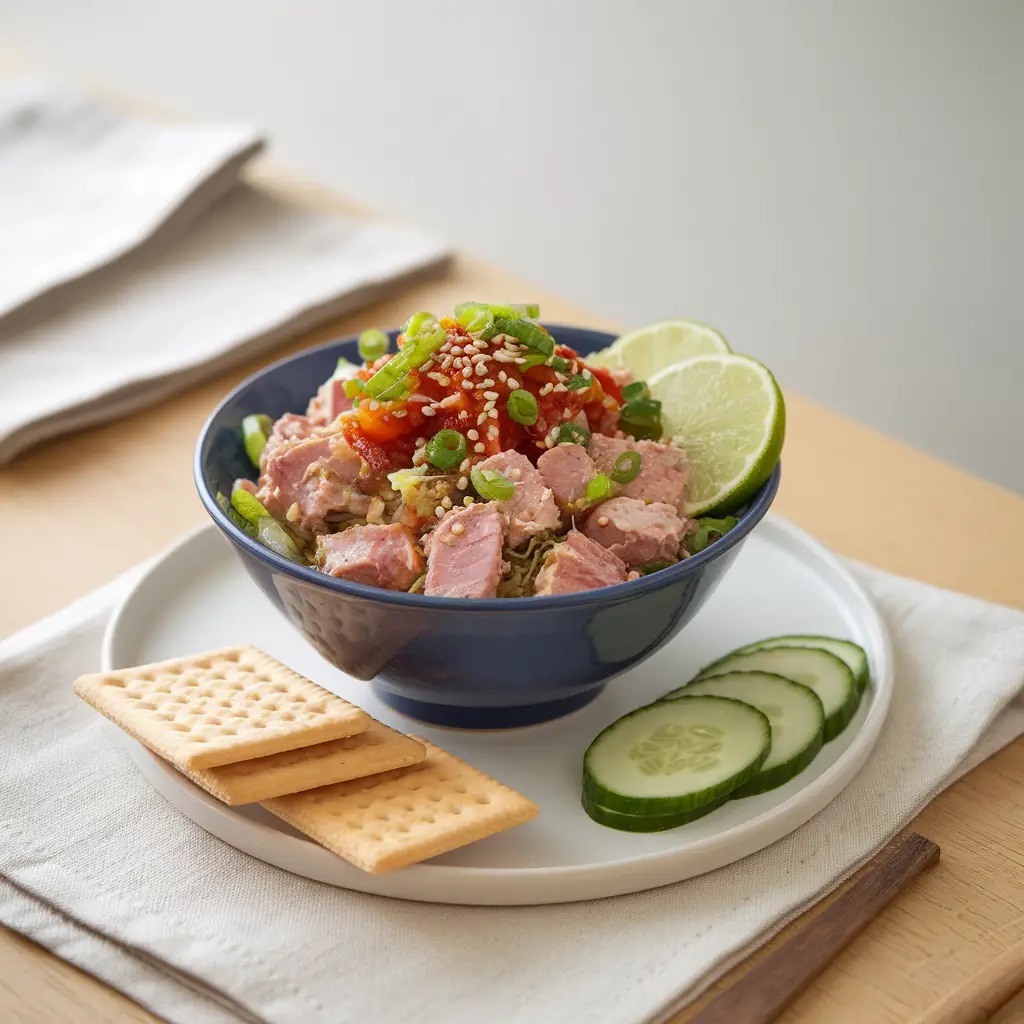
x=647, y=350
x=727, y=413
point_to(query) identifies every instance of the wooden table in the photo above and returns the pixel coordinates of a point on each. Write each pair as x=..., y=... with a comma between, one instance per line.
x=103, y=500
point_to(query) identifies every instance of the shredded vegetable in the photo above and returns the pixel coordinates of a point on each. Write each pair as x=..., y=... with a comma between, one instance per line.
x=523, y=566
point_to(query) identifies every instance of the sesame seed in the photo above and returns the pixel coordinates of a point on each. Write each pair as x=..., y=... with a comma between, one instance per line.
x=458, y=528
x=519, y=360
x=602, y=520
x=448, y=539
x=420, y=442
x=502, y=356
x=463, y=415
x=468, y=385
x=491, y=396
x=472, y=435
x=480, y=358
x=426, y=365
x=456, y=350
x=439, y=511
x=560, y=387
x=512, y=384
x=462, y=483
x=546, y=390
x=511, y=345
x=294, y=513
x=374, y=405
x=400, y=413
x=480, y=345
x=417, y=397
x=446, y=502
x=464, y=468
x=492, y=431
x=440, y=378
x=560, y=376
x=489, y=383
x=516, y=473
x=493, y=413
x=482, y=418
x=481, y=386
x=489, y=405
x=446, y=362
x=467, y=501
x=467, y=371
x=447, y=403
x=481, y=369
x=567, y=414
x=502, y=376
x=479, y=447
x=429, y=410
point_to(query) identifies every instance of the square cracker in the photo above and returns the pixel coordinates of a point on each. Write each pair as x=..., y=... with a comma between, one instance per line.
x=220, y=707
x=379, y=749
x=387, y=821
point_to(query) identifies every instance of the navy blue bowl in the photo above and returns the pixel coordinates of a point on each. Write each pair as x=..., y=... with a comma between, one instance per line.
x=484, y=664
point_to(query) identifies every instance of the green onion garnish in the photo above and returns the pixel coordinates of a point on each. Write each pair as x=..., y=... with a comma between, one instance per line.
x=474, y=319
x=491, y=485
x=577, y=382
x=708, y=531
x=528, y=334
x=560, y=364
x=522, y=407
x=372, y=345
x=573, y=433
x=446, y=449
x=239, y=520
x=423, y=336
x=627, y=467
x=641, y=418
x=255, y=431
x=270, y=533
x=655, y=566
x=248, y=507
x=353, y=387
x=530, y=309
x=638, y=389
x=599, y=488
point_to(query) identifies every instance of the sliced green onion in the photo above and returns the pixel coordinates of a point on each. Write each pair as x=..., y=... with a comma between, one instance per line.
x=273, y=535
x=446, y=449
x=239, y=520
x=577, y=382
x=372, y=345
x=491, y=485
x=423, y=336
x=417, y=586
x=474, y=319
x=655, y=566
x=530, y=361
x=573, y=433
x=638, y=389
x=528, y=334
x=641, y=418
x=599, y=488
x=708, y=531
x=530, y=309
x=627, y=467
x=255, y=431
x=353, y=387
x=248, y=507
x=522, y=407
x=560, y=364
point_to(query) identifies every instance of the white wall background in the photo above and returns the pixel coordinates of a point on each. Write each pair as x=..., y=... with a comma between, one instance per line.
x=838, y=186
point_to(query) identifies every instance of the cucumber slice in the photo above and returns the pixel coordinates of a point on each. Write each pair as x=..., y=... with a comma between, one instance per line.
x=675, y=756
x=794, y=711
x=828, y=676
x=853, y=654
x=649, y=822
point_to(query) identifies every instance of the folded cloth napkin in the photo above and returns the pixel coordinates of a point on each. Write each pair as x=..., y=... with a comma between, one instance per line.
x=82, y=184
x=99, y=869
x=252, y=272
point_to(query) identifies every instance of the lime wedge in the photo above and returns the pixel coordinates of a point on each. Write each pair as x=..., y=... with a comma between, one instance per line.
x=727, y=413
x=647, y=350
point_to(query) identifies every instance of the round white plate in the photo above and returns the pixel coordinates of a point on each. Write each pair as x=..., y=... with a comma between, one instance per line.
x=198, y=597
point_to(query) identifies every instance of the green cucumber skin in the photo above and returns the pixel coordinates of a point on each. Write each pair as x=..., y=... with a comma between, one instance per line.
x=649, y=823
x=595, y=793
x=861, y=674
x=835, y=723
x=778, y=775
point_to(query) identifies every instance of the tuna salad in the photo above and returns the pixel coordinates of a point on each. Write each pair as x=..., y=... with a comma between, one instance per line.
x=481, y=459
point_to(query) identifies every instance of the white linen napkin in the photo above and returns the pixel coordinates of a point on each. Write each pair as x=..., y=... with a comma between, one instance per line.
x=99, y=869
x=82, y=184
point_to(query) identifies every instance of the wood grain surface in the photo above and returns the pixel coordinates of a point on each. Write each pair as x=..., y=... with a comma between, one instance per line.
x=78, y=510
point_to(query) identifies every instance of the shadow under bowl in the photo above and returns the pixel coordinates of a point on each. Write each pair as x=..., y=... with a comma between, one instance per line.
x=476, y=664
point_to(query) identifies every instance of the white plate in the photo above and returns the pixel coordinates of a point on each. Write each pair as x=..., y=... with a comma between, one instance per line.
x=198, y=597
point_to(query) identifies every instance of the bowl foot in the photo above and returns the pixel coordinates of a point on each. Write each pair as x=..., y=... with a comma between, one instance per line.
x=456, y=717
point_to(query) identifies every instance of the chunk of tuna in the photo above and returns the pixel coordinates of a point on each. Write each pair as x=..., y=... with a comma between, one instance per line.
x=636, y=531
x=567, y=469
x=464, y=554
x=663, y=472
x=330, y=401
x=532, y=508
x=305, y=482
x=379, y=556
x=289, y=428
x=578, y=564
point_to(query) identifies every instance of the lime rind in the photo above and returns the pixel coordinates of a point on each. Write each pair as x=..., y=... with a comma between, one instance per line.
x=648, y=349
x=728, y=415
